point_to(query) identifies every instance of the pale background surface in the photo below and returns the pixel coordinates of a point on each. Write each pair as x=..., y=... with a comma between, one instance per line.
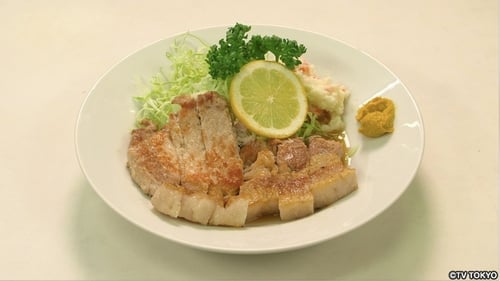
x=54, y=226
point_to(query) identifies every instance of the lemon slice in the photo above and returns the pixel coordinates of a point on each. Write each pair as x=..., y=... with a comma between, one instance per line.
x=268, y=99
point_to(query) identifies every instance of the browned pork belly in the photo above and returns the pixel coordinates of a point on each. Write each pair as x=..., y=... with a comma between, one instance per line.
x=300, y=179
x=193, y=168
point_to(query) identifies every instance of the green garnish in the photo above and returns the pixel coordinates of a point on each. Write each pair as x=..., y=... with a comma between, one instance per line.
x=310, y=127
x=235, y=50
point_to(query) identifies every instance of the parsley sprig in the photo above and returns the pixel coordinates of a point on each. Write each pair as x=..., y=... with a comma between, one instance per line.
x=226, y=58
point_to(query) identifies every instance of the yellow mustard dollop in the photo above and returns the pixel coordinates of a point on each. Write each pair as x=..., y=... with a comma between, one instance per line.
x=376, y=118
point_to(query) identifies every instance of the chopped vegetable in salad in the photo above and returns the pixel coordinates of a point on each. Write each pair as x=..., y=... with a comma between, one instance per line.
x=187, y=73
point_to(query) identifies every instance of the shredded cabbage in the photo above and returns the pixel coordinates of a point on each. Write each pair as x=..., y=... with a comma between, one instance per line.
x=187, y=74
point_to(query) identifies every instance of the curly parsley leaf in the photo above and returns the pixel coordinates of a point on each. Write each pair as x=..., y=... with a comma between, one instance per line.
x=226, y=58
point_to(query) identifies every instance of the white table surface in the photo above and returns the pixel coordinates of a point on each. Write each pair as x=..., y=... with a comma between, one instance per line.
x=54, y=226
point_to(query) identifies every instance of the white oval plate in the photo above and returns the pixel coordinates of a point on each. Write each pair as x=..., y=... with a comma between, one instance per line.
x=385, y=166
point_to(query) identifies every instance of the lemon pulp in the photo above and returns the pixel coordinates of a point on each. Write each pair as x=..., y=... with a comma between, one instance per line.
x=268, y=99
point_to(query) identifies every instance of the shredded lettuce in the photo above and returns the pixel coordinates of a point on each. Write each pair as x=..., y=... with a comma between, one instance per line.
x=310, y=127
x=188, y=73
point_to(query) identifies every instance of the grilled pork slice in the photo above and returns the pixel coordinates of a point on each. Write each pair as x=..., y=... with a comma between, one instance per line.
x=262, y=197
x=192, y=156
x=295, y=199
x=168, y=199
x=152, y=159
x=191, y=167
x=222, y=159
x=330, y=179
x=330, y=186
